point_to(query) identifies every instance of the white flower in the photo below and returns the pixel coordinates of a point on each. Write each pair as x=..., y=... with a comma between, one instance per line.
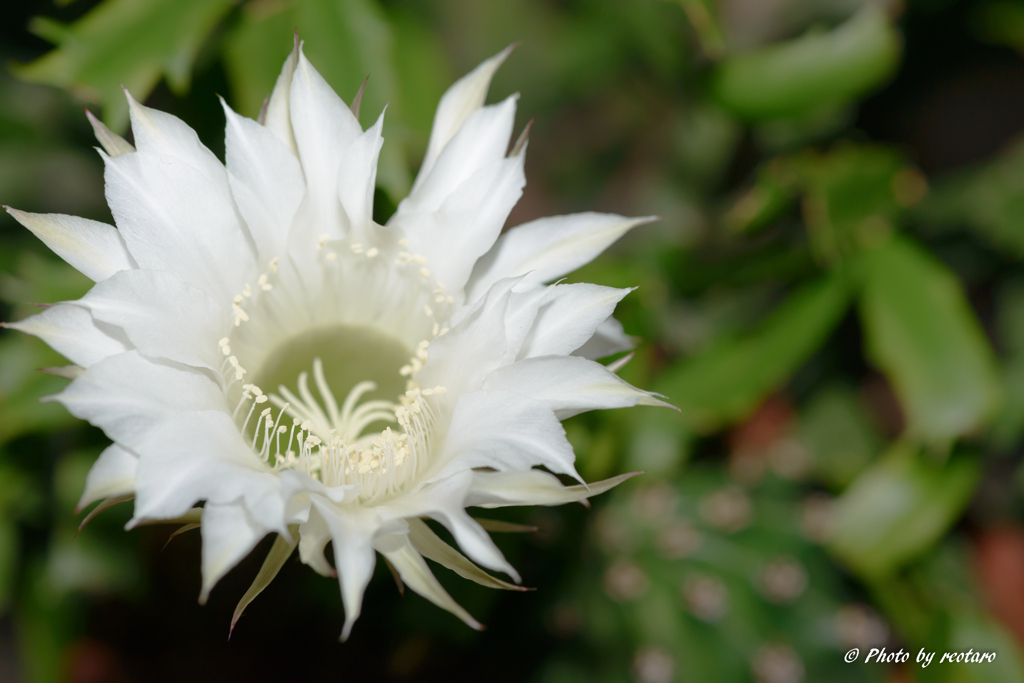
x=441, y=363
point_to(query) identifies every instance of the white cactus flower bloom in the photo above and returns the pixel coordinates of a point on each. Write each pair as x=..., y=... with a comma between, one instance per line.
x=257, y=343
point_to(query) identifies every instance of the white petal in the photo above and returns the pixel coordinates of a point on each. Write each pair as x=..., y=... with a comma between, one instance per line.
x=162, y=134
x=162, y=316
x=470, y=220
x=481, y=141
x=443, y=500
x=71, y=331
x=352, y=531
x=568, y=385
x=324, y=129
x=172, y=218
x=200, y=455
x=504, y=431
x=272, y=179
x=417, y=575
x=461, y=100
x=314, y=535
x=279, y=553
x=433, y=548
x=569, y=318
x=113, y=144
x=458, y=211
x=503, y=489
x=549, y=247
x=356, y=179
x=113, y=474
x=127, y=395
x=486, y=336
x=229, y=534
x=94, y=249
x=278, y=118
x=609, y=338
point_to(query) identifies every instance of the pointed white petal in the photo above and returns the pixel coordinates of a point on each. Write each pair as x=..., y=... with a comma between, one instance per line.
x=127, y=395
x=278, y=116
x=481, y=141
x=442, y=500
x=356, y=179
x=466, y=225
x=162, y=134
x=568, y=385
x=272, y=179
x=352, y=531
x=549, y=247
x=112, y=475
x=94, y=249
x=112, y=143
x=609, y=338
x=229, y=534
x=324, y=129
x=569, y=318
x=71, y=331
x=162, y=316
x=504, y=431
x=433, y=548
x=279, y=553
x=172, y=218
x=417, y=576
x=483, y=337
x=504, y=489
x=200, y=455
x=314, y=535
x=461, y=100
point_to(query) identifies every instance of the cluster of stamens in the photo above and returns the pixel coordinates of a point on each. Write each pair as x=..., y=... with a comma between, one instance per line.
x=332, y=442
x=327, y=441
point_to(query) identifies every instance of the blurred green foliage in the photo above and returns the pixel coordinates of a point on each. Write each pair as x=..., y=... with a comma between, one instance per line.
x=841, y=328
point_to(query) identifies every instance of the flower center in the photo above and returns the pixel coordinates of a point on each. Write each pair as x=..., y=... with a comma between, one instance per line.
x=331, y=392
x=378, y=436
x=357, y=363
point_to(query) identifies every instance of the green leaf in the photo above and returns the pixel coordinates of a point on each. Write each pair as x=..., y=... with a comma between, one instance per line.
x=22, y=385
x=9, y=556
x=1008, y=427
x=989, y=199
x=979, y=632
x=853, y=195
x=130, y=42
x=838, y=433
x=1000, y=23
x=728, y=380
x=810, y=72
x=898, y=508
x=921, y=332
